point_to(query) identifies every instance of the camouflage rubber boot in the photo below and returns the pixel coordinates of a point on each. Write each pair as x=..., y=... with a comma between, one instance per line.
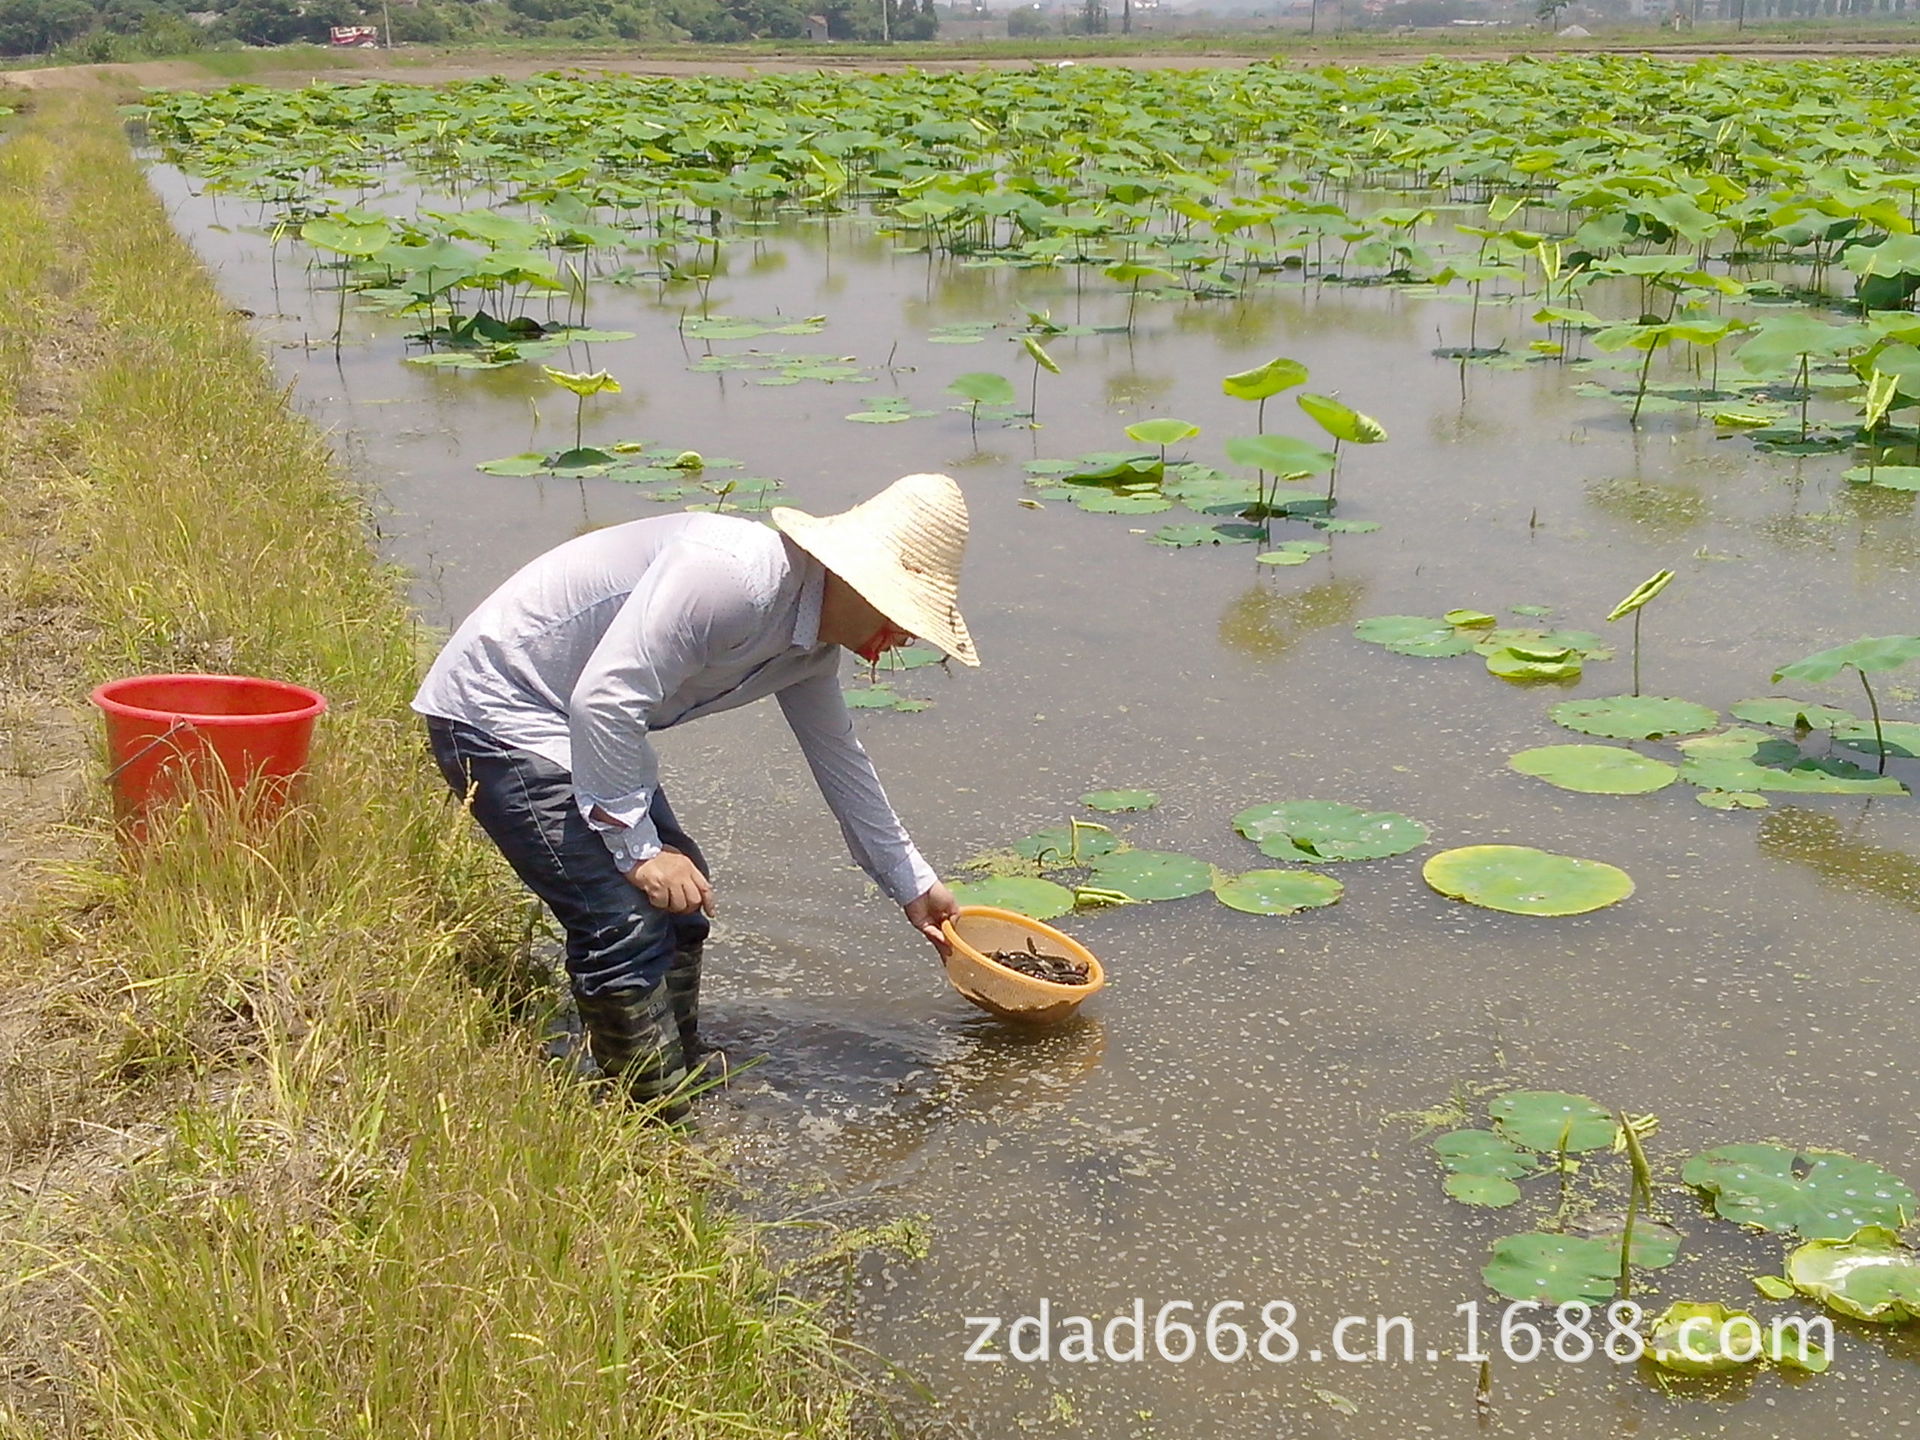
x=683, y=989
x=636, y=1043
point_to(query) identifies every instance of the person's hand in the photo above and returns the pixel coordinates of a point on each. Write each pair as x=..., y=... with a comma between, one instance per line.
x=926, y=913
x=673, y=883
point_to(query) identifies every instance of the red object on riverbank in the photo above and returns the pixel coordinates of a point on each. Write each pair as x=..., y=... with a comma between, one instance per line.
x=162, y=730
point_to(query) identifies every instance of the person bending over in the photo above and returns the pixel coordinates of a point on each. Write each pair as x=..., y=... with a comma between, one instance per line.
x=539, y=709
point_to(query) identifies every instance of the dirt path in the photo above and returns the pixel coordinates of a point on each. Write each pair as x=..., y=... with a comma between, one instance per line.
x=430, y=67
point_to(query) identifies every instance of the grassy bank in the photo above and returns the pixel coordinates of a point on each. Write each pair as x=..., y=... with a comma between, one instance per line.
x=280, y=1160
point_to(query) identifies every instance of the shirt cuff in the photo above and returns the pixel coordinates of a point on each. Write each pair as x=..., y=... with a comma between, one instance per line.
x=634, y=839
x=911, y=878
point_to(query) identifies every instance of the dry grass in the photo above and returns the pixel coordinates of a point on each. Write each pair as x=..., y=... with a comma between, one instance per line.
x=274, y=1160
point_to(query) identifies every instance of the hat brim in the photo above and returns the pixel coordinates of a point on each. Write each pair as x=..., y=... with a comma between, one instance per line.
x=906, y=600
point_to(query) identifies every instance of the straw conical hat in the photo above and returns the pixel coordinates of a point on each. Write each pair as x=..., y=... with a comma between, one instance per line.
x=901, y=550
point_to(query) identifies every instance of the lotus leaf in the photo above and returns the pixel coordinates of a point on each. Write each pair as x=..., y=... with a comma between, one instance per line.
x=1343, y=527
x=1775, y=1287
x=1292, y=552
x=1036, y=899
x=1533, y=662
x=1634, y=717
x=911, y=657
x=1656, y=1245
x=1264, y=380
x=1732, y=800
x=1120, y=800
x=872, y=697
x=1871, y=654
x=1054, y=847
x=1039, y=354
x=1584, y=643
x=1481, y=1152
x=584, y=383
x=1520, y=880
x=1885, y=477
x=1162, y=432
x=1277, y=892
x=1470, y=619
x=1324, y=831
x=983, y=387
x=1152, y=874
x=1340, y=420
x=1790, y=714
x=530, y=462
x=1491, y=1191
x=1869, y=1275
x=1641, y=594
x=1280, y=455
x=1596, y=769
x=1413, y=635
x=1821, y=1194
x=1804, y=777
x=1536, y=1118
x=1556, y=1269
x=1691, y=1338
x=1110, y=502
x=1178, y=537
x=1901, y=737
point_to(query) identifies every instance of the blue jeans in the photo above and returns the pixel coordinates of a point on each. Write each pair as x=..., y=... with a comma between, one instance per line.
x=616, y=940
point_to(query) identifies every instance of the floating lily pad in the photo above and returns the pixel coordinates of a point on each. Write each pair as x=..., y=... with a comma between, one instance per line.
x=911, y=657
x=1343, y=527
x=881, y=697
x=1804, y=777
x=1277, y=892
x=1902, y=737
x=1471, y=619
x=1775, y=1287
x=1324, y=831
x=1152, y=874
x=1535, y=1119
x=1869, y=1275
x=1790, y=714
x=531, y=462
x=1732, y=800
x=1036, y=899
x=1492, y=1191
x=1481, y=1152
x=1885, y=477
x=1520, y=880
x=1821, y=1194
x=1634, y=717
x=1656, y=1245
x=1691, y=1338
x=1177, y=537
x=1120, y=800
x=1419, y=635
x=1054, y=846
x=1293, y=552
x=1557, y=1269
x=1596, y=769
x=1120, y=502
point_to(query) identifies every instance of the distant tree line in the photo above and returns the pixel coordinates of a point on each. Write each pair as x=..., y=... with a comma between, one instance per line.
x=132, y=29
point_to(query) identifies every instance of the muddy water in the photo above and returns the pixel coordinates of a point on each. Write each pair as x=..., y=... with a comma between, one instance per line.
x=1222, y=1125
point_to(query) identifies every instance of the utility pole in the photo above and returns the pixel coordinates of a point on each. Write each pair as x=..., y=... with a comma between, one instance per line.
x=886, y=29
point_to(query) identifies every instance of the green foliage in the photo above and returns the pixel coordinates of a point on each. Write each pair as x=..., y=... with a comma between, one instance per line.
x=1523, y=881
x=1817, y=1194
x=1323, y=831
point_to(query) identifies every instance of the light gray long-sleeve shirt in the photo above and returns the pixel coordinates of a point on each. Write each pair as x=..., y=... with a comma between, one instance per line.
x=639, y=627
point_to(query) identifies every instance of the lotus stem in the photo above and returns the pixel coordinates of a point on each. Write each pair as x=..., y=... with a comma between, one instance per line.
x=1560, y=1161
x=1873, y=707
x=1626, y=1242
x=1636, y=649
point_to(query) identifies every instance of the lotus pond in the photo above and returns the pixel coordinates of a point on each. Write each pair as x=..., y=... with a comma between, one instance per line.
x=1444, y=563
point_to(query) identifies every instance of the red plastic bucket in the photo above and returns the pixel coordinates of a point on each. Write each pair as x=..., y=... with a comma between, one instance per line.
x=164, y=732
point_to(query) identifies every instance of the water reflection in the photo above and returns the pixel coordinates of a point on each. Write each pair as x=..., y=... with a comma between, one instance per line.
x=1264, y=622
x=1819, y=842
